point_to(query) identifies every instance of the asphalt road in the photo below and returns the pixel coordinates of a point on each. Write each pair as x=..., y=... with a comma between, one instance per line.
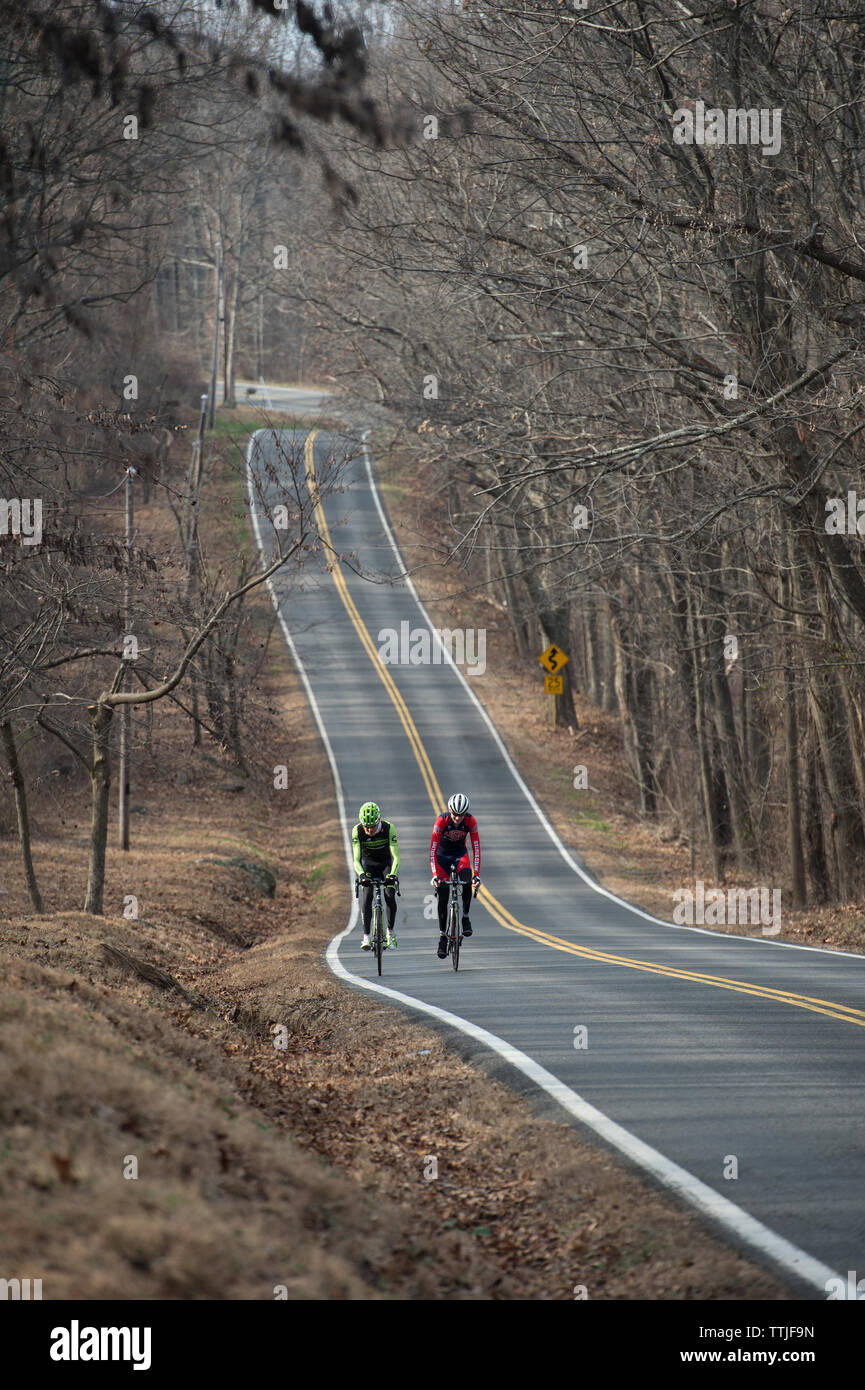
x=299, y=400
x=702, y=1046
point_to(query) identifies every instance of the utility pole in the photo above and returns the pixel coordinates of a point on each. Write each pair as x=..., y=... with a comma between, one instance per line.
x=126, y=710
x=215, y=362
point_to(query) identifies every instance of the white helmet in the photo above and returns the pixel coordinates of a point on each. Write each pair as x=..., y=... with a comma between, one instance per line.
x=458, y=804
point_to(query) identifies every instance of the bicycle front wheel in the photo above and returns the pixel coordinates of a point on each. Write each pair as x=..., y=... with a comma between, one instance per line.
x=379, y=934
x=455, y=938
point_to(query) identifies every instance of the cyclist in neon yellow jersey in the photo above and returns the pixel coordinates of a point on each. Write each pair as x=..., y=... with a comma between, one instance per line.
x=376, y=855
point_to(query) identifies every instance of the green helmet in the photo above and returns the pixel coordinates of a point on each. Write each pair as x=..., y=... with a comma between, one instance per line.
x=369, y=815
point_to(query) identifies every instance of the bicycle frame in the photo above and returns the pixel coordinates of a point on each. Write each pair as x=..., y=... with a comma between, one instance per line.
x=455, y=934
x=377, y=923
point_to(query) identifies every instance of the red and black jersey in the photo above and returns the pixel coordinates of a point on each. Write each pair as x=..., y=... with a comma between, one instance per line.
x=448, y=843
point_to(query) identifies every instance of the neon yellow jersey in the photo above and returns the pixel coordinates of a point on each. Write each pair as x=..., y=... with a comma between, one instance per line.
x=375, y=852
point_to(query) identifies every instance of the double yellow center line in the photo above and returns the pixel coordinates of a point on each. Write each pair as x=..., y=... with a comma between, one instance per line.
x=437, y=800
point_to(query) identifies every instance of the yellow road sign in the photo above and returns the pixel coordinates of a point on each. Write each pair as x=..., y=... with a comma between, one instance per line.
x=553, y=684
x=554, y=659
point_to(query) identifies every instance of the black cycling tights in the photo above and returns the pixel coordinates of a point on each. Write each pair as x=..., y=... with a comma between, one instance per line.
x=389, y=905
x=444, y=894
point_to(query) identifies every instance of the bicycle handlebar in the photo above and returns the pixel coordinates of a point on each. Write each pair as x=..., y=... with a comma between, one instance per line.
x=374, y=881
x=454, y=879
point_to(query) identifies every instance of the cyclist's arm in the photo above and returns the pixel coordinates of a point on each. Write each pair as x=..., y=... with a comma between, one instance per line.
x=355, y=848
x=476, y=846
x=433, y=848
x=394, y=850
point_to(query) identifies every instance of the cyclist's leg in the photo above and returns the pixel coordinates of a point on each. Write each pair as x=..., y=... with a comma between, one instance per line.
x=443, y=894
x=390, y=904
x=465, y=873
x=442, y=897
x=366, y=908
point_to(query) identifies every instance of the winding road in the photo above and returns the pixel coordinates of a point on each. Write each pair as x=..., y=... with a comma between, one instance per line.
x=705, y=1053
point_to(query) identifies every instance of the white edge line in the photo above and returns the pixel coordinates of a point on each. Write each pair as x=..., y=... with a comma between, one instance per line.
x=548, y=827
x=684, y=1184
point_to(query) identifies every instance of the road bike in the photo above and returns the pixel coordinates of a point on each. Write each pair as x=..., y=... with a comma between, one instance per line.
x=376, y=927
x=455, y=931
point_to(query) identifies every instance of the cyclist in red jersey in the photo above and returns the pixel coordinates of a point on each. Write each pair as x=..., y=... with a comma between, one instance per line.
x=448, y=847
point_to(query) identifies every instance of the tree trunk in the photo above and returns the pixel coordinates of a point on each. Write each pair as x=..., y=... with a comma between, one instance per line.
x=840, y=812
x=707, y=779
x=794, y=813
x=233, y=720
x=196, y=721
x=841, y=643
x=815, y=841
x=555, y=629
x=609, y=664
x=590, y=632
x=228, y=392
x=822, y=691
x=20, y=792
x=631, y=695
x=211, y=660
x=100, y=778
x=725, y=720
x=644, y=704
